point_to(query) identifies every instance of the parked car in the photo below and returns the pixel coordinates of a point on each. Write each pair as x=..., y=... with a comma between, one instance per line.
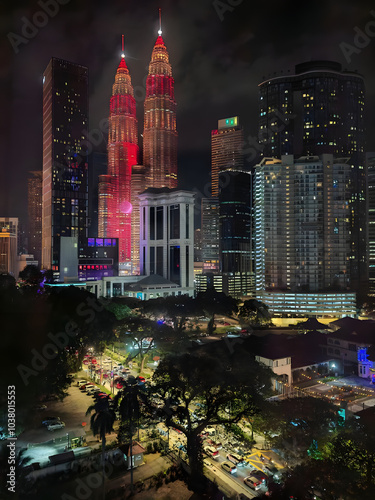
x=252, y=482
x=87, y=387
x=55, y=426
x=209, y=430
x=80, y=383
x=228, y=467
x=236, y=459
x=50, y=420
x=211, y=452
x=91, y=390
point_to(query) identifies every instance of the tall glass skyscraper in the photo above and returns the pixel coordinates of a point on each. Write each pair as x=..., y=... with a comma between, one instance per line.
x=115, y=205
x=320, y=110
x=65, y=119
x=235, y=221
x=160, y=133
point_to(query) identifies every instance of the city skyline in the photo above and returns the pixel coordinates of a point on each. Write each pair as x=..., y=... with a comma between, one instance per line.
x=219, y=57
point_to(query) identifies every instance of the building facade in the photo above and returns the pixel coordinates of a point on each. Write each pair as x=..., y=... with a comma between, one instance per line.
x=160, y=132
x=115, y=206
x=226, y=150
x=98, y=165
x=8, y=246
x=320, y=110
x=167, y=235
x=34, y=202
x=235, y=221
x=210, y=234
x=302, y=226
x=370, y=166
x=65, y=189
x=138, y=185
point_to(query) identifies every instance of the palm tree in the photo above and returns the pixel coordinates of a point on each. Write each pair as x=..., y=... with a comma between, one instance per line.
x=128, y=401
x=101, y=423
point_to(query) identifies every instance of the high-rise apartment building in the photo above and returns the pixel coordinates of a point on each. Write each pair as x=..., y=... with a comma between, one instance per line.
x=160, y=132
x=115, y=206
x=8, y=245
x=320, y=110
x=167, y=235
x=302, y=226
x=65, y=120
x=210, y=233
x=226, y=150
x=34, y=201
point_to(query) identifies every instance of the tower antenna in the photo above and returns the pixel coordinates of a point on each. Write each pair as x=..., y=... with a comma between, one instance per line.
x=122, y=46
x=159, y=32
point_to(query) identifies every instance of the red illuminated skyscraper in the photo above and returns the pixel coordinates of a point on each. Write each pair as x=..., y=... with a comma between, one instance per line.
x=160, y=134
x=115, y=188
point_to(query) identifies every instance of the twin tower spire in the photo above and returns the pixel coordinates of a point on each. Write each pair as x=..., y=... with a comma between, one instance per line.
x=125, y=179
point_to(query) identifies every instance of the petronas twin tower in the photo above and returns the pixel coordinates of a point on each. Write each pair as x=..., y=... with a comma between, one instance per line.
x=118, y=218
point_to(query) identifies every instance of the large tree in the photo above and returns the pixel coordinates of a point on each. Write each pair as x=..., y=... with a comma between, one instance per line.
x=176, y=310
x=213, y=303
x=255, y=312
x=217, y=378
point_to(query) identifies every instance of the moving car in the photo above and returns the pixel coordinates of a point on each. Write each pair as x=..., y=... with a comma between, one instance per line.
x=263, y=478
x=252, y=482
x=273, y=471
x=236, y=459
x=228, y=467
x=211, y=452
x=55, y=426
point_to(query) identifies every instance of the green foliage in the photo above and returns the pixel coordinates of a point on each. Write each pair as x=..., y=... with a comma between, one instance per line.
x=255, y=312
x=239, y=433
x=221, y=376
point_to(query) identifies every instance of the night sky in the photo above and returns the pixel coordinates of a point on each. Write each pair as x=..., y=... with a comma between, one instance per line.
x=219, y=50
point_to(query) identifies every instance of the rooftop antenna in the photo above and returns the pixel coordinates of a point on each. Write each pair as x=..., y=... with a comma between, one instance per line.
x=122, y=46
x=159, y=32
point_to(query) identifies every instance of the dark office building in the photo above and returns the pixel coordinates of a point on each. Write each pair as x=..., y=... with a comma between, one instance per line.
x=65, y=192
x=235, y=221
x=34, y=202
x=317, y=110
